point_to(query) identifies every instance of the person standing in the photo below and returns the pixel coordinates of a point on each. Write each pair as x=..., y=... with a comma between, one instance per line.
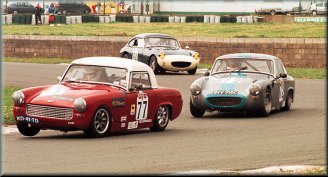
x=51, y=12
x=37, y=12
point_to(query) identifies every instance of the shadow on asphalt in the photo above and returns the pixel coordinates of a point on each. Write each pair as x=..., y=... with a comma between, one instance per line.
x=243, y=115
x=80, y=135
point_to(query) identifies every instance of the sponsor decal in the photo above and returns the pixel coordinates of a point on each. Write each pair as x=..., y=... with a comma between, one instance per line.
x=122, y=124
x=145, y=121
x=118, y=102
x=123, y=118
x=27, y=119
x=142, y=106
x=133, y=125
x=133, y=109
x=225, y=92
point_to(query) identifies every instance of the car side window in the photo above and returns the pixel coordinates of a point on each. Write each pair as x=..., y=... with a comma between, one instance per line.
x=320, y=5
x=280, y=68
x=140, y=78
x=133, y=43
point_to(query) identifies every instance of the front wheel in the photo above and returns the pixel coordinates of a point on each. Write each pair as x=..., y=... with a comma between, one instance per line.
x=267, y=105
x=161, y=120
x=273, y=12
x=100, y=124
x=125, y=56
x=195, y=111
x=27, y=129
x=193, y=71
x=314, y=12
x=154, y=65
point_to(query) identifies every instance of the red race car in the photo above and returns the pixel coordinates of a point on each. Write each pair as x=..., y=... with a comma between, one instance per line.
x=98, y=95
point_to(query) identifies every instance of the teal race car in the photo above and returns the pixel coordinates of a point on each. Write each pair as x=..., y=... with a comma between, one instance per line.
x=243, y=82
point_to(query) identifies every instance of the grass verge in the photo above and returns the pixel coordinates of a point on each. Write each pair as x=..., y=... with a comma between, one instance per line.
x=223, y=30
x=8, y=105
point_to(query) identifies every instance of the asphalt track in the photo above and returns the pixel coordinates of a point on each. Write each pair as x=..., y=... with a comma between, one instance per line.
x=222, y=141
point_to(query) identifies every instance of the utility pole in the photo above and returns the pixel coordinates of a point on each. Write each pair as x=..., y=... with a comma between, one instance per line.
x=300, y=7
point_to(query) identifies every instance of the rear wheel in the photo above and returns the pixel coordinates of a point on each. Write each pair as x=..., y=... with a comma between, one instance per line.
x=27, y=129
x=193, y=71
x=273, y=12
x=161, y=120
x=195, y=111
x=288, y=102
x=125, y=56
x=100, y=124
x=267, y=105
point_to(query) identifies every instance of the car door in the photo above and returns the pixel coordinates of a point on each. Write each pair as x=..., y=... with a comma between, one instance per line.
x=137, y=49
x=320, y=8
x=141, y=100
x=279, y=89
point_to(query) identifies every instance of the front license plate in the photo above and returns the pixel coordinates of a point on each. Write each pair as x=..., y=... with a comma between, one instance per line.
x=27, y=119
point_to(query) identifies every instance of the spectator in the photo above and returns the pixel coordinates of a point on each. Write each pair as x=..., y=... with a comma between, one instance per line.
x=234, y=64
x=94, y=8
x=52, y=12
x=37, y=12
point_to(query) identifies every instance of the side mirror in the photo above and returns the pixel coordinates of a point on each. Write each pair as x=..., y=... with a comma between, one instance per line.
x=59, y=78
x=207, y=73
x=187, y=47
x=283, y=75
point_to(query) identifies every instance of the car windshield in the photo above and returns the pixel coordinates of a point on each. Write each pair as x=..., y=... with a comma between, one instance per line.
x=243, y=64
x=162, y=42
x=96, y=74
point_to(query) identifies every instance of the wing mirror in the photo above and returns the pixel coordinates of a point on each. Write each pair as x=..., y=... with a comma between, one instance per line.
x=207, y=73
x=283, y=75
x=187, y=47
x=59, y=78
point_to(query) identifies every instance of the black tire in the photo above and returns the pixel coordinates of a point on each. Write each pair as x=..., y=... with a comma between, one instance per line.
x=288, y=102
x=267, y=104
x=161, y=119
x=193, y=71
x=195, y=111
x=125, y=56
x=154, y=65
x=100, y=123
x=273, y=12
x=27, y=129
x=314, y=12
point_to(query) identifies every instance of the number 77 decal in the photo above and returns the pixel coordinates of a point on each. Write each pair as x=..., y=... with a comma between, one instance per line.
x=142, y=106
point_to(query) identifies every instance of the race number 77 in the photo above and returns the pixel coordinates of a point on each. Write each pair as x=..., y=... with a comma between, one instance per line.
x=142, y=108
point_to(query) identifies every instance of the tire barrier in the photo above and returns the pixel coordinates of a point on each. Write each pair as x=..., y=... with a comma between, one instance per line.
x=210, y=19
x=310, y=19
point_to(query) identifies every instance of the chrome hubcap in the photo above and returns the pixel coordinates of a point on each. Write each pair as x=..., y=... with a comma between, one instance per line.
x=267, y=103
x=101, y=120
x=162, y=116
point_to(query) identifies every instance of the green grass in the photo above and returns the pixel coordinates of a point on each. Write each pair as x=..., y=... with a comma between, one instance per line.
x=8, y=105
x=37, y=60
x=224, y=30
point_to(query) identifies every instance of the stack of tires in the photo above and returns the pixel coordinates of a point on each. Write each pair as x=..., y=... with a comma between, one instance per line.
x=22, y=18
x=195, y=19
x=90, y=19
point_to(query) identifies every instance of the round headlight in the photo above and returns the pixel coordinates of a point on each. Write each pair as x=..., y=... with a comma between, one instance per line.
x=161, y=54
x=18, y=98
x=80, y=105
x=195, y=89
x=255, y=90
x=196, y=55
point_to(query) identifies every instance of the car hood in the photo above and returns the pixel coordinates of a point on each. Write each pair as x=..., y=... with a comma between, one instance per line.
x=172, y=51
x=235, y=82
x=64, y=95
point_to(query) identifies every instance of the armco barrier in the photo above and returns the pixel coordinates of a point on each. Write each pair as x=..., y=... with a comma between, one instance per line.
x=294, y=52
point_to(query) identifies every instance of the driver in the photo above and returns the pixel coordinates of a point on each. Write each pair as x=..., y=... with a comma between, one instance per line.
x=93, y=74
x=233, y=64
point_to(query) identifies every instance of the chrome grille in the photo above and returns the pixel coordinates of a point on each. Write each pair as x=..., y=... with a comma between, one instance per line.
x=180, y=64
x=49, y=111
x=224, y=101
